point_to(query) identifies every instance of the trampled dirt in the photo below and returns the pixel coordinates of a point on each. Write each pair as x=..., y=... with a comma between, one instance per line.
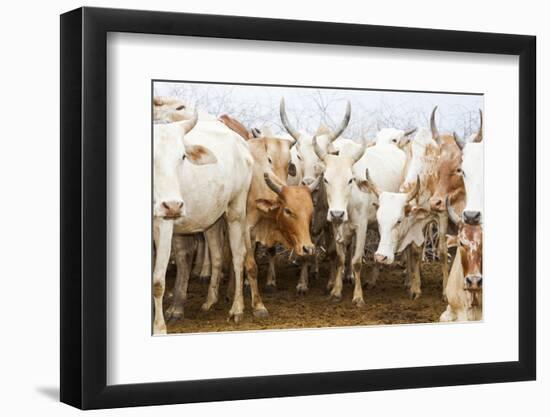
x=387, y=303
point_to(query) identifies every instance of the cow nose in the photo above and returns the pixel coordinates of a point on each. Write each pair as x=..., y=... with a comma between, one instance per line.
x=308, y=250
x=472, y=217
x=473, y=282
x=437, y=204
x=337, y=214
x=172, y=208
x=380, y=258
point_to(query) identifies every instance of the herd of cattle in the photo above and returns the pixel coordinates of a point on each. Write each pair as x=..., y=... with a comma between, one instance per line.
x=221, y=188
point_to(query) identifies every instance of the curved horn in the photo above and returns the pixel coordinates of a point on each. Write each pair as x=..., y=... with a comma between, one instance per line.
x=412, y=194
x=459, y=141
x=452, y=213
x=313, y=186
x=410, y=131
x=360, y=152
x=479, y=137
x=289, y=128
x=343, y=125
x=318, y=151
x=371, y=185
x=433, y=127
x=274, y=187
x=187, y=125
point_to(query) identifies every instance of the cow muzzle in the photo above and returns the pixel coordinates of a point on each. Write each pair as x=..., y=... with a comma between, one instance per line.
x=437, y=204
x=172, y=209
x=473, y=282
x=382, y=259
x=471, y=217
x=337, y=216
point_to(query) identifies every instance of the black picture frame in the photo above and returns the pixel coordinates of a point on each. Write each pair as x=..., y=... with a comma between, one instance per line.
x=84, y=207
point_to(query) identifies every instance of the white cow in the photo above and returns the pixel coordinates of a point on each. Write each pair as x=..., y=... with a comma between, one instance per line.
x=350, y=210
x=183, y=191
x=472, y=171
x=402, y=215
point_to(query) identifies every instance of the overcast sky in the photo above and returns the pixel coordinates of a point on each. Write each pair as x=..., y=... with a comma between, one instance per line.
x=256, y=106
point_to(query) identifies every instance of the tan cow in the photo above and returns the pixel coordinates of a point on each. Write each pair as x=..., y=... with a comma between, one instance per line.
x=464, y=287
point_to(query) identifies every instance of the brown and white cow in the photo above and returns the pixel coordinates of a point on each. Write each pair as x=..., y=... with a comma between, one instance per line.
x=403, y=215
x=464, y=288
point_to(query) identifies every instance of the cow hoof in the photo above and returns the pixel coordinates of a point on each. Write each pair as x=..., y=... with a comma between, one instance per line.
x=415, y=295
x=359, y=302
x=335, y=298
x=174, y=313
x=270, y=288
x=236, y=317
x=261, y=313
x=349, y=279
x=301, y=290
x=206, y=306
x=160, y=330
x=204, y=279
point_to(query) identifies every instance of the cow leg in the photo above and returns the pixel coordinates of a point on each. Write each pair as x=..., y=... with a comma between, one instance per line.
x=336, y=291
x=409, y=269
x=372, y=277
x=239, y=241
x=184, y=249
x=349, y=277
x=302, y=286
x=214, y=240
x=416, y=258
x=442, y=249
x=199, y=256
x=162, y=235
x=258, y=307
x=206, y=267
x=357, y=263
x=271, y=283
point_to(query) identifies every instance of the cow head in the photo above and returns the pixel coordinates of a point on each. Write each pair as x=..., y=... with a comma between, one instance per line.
x=310, y=162
x=472, y=172
x=338, y=178
x=169, y=110
x=469, y=242
x=292, y=211
x=393, y=136
x=170, y=151
x=278, y=153
x=449, y=180
x=398, y=217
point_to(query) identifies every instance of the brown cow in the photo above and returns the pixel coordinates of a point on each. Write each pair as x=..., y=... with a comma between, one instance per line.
x=465, y=284
x=276, y=213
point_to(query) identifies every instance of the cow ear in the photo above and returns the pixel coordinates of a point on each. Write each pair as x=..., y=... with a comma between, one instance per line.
x=417, y=211
x=291, y=169
x=267, y=206
x=199, y=155
x=452, y=241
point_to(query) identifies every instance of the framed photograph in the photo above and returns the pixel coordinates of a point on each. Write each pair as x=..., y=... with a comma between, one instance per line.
x=257, y=208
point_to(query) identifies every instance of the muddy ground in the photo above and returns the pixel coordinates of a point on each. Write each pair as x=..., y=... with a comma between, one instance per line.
x=387, y=303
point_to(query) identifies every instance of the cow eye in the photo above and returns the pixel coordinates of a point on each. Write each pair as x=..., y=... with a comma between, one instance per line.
x=394, y=140
x=325, y=180
x=180, y=107
x=399, y=221
x=459, y=171
x=299, y=157
x=183, y=157
x=350, y=181
x=269, y=160
x=287, y=211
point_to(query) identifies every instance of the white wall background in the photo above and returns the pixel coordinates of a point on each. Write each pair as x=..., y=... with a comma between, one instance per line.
x=29, y=172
